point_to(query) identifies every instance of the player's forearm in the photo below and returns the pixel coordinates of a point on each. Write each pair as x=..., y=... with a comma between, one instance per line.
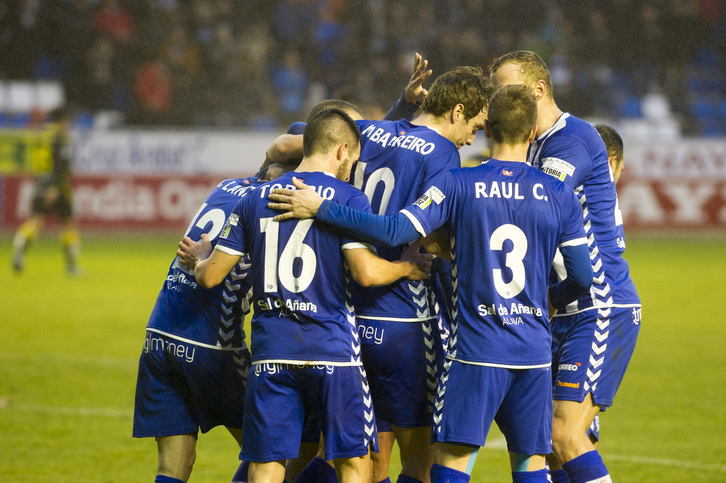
x=379, y=272
x=391, y=231
x=402, y=109
x=283, y=149
x=579, y=276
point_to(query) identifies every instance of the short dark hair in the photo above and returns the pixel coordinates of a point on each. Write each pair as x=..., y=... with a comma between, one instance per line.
x=327, y=129
x=461, y=85
x=613, y=141
x=333, y=104
x=512, y=114
x=531, y=65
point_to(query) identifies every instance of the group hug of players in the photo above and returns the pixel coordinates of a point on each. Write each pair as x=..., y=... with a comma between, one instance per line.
x=397, y=296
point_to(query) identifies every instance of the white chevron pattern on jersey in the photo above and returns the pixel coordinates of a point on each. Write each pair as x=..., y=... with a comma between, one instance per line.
x=370, y=424
x=350, y=318
x=431, y=370
x=420, y=297
x=440, y=391
x=454, y=298
x=235, y=305
x=601, y=298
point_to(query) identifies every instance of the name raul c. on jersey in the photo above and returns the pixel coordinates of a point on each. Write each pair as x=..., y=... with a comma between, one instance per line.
x=506, y=189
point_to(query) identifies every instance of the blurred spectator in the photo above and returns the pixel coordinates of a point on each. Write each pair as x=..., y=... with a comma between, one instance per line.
x=261, y=62
x=153, y=89
x=113, y=19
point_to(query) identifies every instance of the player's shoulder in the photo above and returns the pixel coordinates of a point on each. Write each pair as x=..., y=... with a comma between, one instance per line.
x=578, y=131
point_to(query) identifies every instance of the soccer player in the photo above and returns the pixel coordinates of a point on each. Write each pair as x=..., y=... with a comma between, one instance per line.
x=594, y=337
x=53, y=195
x=305, y=342
x=614, y=146
x=504, y=222
x=398, y=161
x=194, y=364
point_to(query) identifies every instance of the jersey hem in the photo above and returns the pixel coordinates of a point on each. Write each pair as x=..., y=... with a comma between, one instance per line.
x=395, y=319
x=593, y=307
x=227, y=250
x=306, y=363
x=503, y=366
x=194, y=342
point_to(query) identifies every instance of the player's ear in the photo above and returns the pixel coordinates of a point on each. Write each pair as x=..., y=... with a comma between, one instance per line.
x=342, y=151
x=457, y=112
x=533, y=134
x=487, y=128
x=540, y=89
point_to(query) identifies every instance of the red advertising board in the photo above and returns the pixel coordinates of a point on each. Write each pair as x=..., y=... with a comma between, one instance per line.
x=117, y=202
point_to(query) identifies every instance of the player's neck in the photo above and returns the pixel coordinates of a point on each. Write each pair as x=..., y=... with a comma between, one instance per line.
x=547, y=115
x=507, y=152
x=321, y=163
x=430, y=121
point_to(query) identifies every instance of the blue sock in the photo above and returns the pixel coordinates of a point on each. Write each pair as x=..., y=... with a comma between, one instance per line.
x=240, y=475
x=586, y=467
x=559, y=476
x=442, y=474
x=317, y=471
x=406, y=479
x=387, y=480
x=166, y=479
x=529, y=476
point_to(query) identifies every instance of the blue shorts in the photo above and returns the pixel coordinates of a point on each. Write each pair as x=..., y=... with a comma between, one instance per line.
x=590, y=352
x=182, y=387
x=401, y=359
x=470, y=397
x=280, y=396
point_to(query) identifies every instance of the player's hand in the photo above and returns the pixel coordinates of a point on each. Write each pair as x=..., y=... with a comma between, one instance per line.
x=414, y=91
x=420, y=261
x=302, y=202
x=191, y=252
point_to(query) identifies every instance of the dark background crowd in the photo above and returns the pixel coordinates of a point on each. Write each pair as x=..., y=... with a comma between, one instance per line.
x=263, y=63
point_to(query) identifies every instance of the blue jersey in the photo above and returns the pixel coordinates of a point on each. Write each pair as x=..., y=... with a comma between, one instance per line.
x=573, y=152
x=301, y=301
x=184, y=309
x=506, y=221
x=398, y=161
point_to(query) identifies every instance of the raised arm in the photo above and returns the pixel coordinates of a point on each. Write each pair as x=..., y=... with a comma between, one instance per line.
x=413, y=94
x=284, y=149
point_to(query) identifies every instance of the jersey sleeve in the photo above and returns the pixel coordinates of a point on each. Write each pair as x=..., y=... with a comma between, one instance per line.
x=358, y=202
x=567, y=159
x=573, y=232
x=433, y=208
x=402, y=109
x=231, y=239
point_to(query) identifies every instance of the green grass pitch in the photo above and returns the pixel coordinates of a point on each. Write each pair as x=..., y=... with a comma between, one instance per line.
x=69, y=349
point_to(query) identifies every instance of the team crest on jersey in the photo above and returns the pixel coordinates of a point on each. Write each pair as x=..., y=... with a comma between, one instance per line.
x=557, y=168
x=432, y=194
x=231, y=221
x=506, y=172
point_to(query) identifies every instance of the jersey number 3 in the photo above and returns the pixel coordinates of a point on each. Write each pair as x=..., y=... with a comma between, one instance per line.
x=513, y=259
